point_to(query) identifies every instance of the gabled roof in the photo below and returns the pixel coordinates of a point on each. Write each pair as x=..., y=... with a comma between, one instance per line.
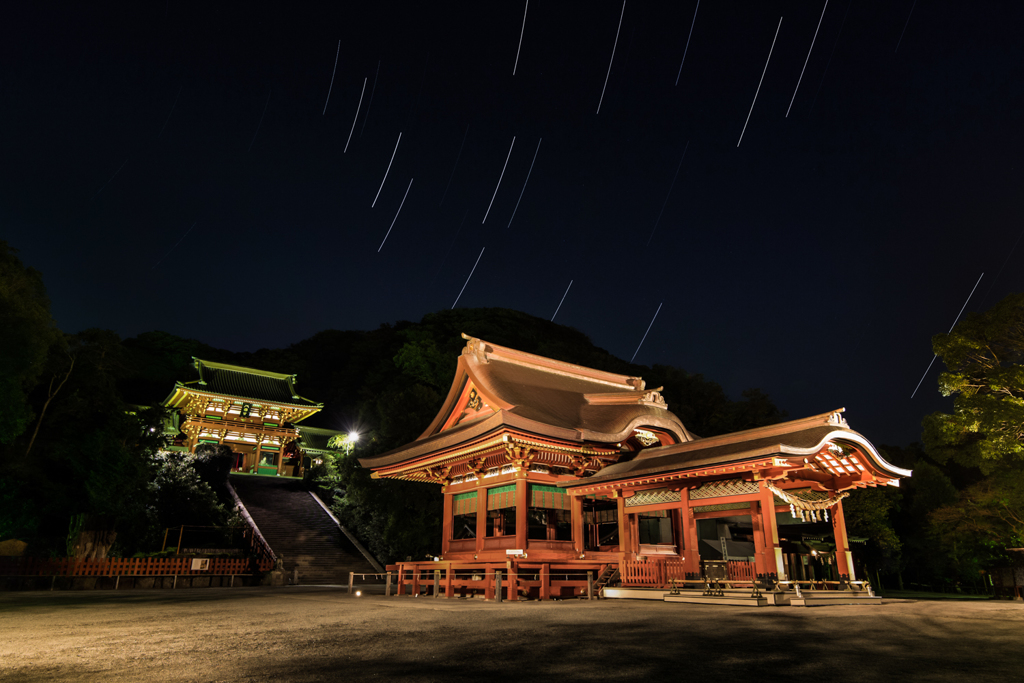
x=246, y=383
x=804, y=438
x=538, y=395
x=317, y=439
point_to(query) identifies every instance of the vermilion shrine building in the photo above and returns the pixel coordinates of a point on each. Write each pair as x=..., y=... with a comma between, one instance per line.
x=561, y=469
x=254, y=412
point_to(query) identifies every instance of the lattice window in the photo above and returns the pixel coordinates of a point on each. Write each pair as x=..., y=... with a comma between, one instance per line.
x=722, y=506
x=728, y=487
x=653, y=497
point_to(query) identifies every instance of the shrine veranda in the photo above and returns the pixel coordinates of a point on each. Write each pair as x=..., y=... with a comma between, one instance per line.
x=553, y=471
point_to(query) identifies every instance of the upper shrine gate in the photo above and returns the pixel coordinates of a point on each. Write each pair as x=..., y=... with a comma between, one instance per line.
x=565, y=469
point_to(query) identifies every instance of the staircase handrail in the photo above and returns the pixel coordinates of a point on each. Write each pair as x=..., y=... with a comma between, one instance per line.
x=359, y=546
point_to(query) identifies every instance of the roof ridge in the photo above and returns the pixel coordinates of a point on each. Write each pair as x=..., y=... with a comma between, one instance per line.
x=833, y=418
x=200, y=363
x=484, y=351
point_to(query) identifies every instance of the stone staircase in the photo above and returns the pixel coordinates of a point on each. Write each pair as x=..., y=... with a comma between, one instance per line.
x=299, y=531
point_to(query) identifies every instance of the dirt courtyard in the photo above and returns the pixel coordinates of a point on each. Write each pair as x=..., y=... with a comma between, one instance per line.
x=310, y=633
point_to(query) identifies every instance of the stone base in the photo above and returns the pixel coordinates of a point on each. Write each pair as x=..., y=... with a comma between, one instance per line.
x=634, y=593
x=813, y=599
x=727, y=599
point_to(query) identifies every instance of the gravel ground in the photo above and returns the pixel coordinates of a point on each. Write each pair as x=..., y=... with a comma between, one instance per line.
x=311, y=633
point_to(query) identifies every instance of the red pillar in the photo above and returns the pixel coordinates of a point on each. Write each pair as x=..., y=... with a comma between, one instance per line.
x=481, y=518
x=761, y=565
x=773, y=551
x=576, y=512
x=624, y=542
x=844, y=558
x=522, y=512
x=446, y=524
x=692, y=561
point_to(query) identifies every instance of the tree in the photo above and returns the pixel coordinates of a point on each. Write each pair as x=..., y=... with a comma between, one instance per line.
x=984, y=357
x=869, y=513
x=27, y=331
x=986, y=519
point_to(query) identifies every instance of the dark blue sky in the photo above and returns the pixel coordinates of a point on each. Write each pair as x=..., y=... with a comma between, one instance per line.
x=815, y=261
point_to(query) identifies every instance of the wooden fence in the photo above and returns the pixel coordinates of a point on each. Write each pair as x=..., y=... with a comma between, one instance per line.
x=651, y=573
x=542, y=580
x=659, y=573
x=741, y=571
x=129, y=566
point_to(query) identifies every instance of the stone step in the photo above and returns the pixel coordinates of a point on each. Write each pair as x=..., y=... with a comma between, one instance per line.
x=299, y=531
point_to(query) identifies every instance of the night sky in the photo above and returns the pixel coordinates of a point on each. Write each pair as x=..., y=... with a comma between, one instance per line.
x=169, y=165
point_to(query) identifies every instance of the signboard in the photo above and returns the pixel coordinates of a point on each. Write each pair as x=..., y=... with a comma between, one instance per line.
x=716, y=570
x=515, y=552
x=201, y=564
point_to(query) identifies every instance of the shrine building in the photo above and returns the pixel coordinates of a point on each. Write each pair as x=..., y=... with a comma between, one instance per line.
x=255, y=413
x=551, y=470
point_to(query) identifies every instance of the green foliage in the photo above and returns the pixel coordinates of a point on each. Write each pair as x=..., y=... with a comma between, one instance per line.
x=397, y=519
x=985, y=520
x=869, y=513
x=213, y=463
x=422, y=361
x=984, y=357
x=179, y=496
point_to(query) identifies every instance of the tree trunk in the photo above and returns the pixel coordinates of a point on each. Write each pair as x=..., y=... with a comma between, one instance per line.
x=51, y=392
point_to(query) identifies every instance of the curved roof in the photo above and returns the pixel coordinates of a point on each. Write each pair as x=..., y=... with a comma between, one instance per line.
x=245, y=383
x=803, y=438
x=539, y=395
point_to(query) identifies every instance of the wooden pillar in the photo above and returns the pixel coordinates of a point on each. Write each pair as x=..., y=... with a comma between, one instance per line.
x=677, y=530
x=522, y=512
x=446, y=524
x=773, y=552
x=576, y=512
x=633, y=521
x=692, y=561
x=844, y=558
x=624, y=544
x=481, y=518
x=757, y=520
x=545, y=581
x=513, y=581
x=449, y=575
